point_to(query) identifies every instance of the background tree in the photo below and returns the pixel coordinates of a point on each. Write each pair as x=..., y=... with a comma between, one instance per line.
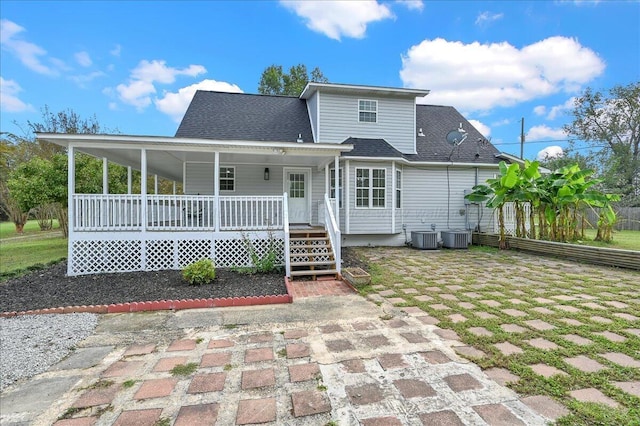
x=274, y=81
x=36, y=171
x=611, y=121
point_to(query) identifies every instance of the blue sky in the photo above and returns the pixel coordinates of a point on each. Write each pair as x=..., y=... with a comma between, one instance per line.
x=135, y=65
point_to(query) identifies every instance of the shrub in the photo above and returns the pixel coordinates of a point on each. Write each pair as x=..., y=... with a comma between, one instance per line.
x=200, y=272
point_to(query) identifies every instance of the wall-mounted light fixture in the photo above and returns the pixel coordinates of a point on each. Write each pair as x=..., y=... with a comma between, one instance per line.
x=266, y=173
x=420, y=132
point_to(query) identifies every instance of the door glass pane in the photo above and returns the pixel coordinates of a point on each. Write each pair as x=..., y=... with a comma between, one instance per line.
x=296, y=185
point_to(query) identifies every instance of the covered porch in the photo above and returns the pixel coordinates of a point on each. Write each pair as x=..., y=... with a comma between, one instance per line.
x=237, y=197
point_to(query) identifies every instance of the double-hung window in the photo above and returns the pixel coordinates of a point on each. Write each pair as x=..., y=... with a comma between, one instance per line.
x=332, y=185
x=398, y=189
x=370, y=188
x=367, y=111
x=227, y=178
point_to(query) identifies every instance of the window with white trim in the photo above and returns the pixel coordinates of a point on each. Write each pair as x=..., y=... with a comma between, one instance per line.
x=370, y=188
x=332, y=185
x=367, y=111
x=398, y=189
x=227, y=178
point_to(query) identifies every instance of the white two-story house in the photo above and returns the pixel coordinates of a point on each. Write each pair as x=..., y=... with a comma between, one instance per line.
x=339, y=165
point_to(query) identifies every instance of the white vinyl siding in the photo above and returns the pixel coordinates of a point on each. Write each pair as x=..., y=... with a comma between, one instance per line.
x=429, y=200
x=198, y=179
x=249, y=179
x=395, y=121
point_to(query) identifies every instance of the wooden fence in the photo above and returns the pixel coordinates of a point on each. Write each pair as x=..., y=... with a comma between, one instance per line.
x=628, y=218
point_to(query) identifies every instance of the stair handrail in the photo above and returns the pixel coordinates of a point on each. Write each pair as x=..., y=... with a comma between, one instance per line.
x=285, y=223
x=333, y=229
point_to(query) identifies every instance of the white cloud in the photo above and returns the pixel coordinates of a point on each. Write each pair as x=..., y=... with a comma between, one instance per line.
x=545, y=132
x=116, y=51
x=9, y=101
x=83, y=59
x=485, y=18
x=502, y=122
x=174, y=104
x=560, y=109
x=549, y=152
x=479, y=77
x=540, y=110
x=481, y=127
x=339, y=18
x=29, y=54
x=138, y=90
x=83, y=79
x=412, y=4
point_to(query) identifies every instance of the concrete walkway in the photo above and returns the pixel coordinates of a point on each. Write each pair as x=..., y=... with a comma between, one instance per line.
x=339, y=360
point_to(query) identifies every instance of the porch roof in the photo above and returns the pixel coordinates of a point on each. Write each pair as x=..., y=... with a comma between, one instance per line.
x=166, y=155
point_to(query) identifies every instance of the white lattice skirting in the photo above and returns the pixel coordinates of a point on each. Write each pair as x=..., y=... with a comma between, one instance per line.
x=123, y=253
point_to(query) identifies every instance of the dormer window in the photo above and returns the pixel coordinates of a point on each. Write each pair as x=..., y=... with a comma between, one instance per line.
x=367, y=111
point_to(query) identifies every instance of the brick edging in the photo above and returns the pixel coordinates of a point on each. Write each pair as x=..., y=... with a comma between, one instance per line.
x=162, y=305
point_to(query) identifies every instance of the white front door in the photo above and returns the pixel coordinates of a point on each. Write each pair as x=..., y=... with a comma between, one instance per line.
x=297, y=183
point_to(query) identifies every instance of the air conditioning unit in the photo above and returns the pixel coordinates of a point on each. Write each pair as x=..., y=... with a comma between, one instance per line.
x=424, y=240
x=456, y=239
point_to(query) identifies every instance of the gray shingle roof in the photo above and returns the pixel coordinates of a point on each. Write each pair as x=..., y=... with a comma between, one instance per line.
x=363, y=147
x=436, y=122
x=240, y=116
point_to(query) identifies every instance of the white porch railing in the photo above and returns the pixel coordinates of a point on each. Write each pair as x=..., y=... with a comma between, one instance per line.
x=105, y=212
x=251, y=213
x=123, y=212
x=181, y=212
x=333, y=230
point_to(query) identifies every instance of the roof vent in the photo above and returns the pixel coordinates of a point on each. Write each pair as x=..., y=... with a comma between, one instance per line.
x=299, y=140
x=420, y=132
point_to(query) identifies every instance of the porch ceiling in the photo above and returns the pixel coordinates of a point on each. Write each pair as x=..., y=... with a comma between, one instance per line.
x=166, y=156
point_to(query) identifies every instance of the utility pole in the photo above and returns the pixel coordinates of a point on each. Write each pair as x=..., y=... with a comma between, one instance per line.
x=522, y=139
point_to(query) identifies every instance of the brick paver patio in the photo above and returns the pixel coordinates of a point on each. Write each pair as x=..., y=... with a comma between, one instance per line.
x=546, y=318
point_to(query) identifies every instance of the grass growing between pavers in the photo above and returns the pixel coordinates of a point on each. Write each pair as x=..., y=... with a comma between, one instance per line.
x=547, y=301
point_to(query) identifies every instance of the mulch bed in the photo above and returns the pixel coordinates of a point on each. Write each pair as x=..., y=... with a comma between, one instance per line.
x=51, y=288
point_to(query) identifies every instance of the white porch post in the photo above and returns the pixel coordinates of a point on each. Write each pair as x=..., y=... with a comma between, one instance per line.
x=347, y=196
x=129, y=180
x=327, y=180
x=174, y=187
x=216, y=188
x=155, y=184
x=105, y=175
x=338, y=189
x=71, y=207
x=143, y=207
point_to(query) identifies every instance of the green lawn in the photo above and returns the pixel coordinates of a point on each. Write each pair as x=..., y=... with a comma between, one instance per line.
x=19, y=253
x=628, y=240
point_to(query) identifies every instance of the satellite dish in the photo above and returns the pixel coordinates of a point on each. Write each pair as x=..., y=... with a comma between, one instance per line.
x=456, y=137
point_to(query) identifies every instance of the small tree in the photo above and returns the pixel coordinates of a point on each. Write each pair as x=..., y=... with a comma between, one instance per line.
x=12, y=209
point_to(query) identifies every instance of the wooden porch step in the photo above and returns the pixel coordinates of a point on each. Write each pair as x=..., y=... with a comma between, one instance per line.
x=304, y=239
x=314, y=263
x=330, y=254
x=314, y=272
